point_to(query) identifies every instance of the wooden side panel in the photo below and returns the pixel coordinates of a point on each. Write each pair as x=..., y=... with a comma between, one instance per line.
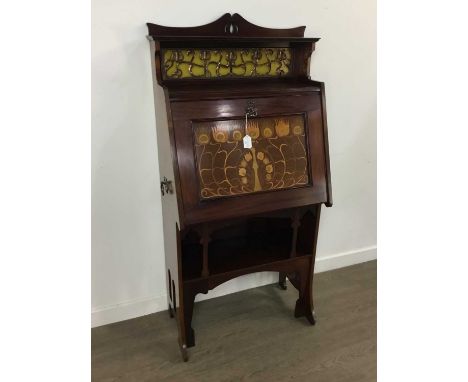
x=169, y=204
x=329, y=202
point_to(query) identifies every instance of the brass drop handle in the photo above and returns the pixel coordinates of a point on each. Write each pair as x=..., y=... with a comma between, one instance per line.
x=166, y=186
x=250, y=108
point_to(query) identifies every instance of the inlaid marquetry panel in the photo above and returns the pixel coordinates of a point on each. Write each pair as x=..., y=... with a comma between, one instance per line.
x=212, y=63
x=277, y=159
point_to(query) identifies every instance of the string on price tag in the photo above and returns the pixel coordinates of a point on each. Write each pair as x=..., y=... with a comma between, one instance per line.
x=247, y=139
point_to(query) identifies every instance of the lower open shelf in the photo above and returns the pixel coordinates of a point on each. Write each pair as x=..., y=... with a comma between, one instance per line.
x=246, y=243
x=233, y=259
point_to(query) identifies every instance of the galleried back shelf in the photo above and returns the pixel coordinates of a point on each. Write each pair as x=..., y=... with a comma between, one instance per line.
x=243, y=155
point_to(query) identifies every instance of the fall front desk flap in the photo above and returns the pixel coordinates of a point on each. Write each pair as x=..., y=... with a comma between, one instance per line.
x=277, y=159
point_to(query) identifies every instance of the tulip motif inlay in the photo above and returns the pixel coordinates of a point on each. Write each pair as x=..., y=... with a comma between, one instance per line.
x=277, y=159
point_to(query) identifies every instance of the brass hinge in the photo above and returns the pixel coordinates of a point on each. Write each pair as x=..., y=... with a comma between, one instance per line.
x=166, y=186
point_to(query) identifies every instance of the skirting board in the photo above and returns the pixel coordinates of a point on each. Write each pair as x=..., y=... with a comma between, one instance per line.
x=131, y=309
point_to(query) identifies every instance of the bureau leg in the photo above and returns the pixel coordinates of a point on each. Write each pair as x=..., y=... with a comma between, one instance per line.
x=189, y=334
x=304, y=302
x=282, y=281
x=183, y=351
x=171, y=313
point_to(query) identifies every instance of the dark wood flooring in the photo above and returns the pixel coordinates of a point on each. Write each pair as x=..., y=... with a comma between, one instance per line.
x=253, y=336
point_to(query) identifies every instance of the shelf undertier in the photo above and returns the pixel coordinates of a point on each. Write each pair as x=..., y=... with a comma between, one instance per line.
x=224, y=258
x=246, y=246
x=244, y=258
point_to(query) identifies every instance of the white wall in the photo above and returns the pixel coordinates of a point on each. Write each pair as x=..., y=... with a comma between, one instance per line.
x=128, y=272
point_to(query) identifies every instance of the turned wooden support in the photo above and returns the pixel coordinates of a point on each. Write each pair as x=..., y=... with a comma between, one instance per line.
x=204, y=241
x=295, y=224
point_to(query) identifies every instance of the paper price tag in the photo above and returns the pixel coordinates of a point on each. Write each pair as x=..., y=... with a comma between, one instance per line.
x=247, y=142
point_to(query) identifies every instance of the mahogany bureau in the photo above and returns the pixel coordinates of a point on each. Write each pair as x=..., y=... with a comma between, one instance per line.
x=243, y=155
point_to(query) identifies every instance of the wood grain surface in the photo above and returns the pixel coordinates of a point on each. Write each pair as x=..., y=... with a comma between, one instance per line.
x=251, y=336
